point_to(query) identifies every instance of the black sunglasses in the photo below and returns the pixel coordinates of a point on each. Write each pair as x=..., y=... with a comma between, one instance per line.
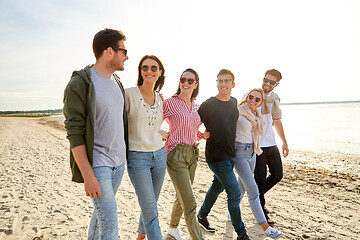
x=251, y=97
x=145, y=68
x=121, y=49
x=272, y=82
x=189, y=80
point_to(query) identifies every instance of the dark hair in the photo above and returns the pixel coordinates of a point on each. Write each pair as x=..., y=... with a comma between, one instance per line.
x=225, y=71
x=161, y=80
x=274, y=73
x=106, y=38
x=196, y=90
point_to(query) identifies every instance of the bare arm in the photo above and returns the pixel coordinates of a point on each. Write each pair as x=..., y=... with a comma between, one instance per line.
x=280, y=130
x=92, y=186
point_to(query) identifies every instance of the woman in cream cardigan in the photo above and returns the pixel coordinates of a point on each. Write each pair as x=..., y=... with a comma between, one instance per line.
x=147, y=157
x=250, y=126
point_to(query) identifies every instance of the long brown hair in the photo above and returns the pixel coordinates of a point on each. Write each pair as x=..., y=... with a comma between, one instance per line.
x=161, y=80
x=196, y=90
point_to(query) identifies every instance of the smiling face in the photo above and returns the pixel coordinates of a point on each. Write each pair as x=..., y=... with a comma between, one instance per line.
x=150, y=71
x=254, y=100
x=267, y=86
x=187, y=88
x=225, y=85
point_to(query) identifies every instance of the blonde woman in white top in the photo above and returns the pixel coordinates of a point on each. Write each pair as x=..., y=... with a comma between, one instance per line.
x=250, y=126
x=147, y=157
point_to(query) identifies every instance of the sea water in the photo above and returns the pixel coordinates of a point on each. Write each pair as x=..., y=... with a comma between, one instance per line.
x=322, y=127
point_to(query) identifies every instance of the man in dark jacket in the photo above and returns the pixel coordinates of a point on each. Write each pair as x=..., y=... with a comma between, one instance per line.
x=96, y=125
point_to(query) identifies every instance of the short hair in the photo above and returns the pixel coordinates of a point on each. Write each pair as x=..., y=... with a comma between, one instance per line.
x=260, y=90
x=225, y=71
x=196, y=90
x=161, y=80
x=274, y=73
x=106, y=38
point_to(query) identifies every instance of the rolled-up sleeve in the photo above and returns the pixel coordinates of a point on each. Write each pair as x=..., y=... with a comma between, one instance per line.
x=75, y=114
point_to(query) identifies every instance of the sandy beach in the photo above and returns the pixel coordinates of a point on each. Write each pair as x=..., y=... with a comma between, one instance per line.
x=319, y=197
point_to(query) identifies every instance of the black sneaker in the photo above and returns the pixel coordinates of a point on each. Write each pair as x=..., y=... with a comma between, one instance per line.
x=204, y=223
x=245, y=237
x=268, y=219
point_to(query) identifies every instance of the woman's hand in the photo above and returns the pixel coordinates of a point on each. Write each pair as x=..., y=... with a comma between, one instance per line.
x=164, y=134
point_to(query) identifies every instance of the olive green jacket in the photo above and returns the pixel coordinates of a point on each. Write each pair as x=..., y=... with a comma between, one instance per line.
x=80, y=113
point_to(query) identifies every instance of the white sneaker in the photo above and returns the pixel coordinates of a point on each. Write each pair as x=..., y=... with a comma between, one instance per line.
x=273, y=233
x=176, y=233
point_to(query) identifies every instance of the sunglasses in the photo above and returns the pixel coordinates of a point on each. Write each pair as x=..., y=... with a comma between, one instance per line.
x=220, y=81
x=189, y=80
x=251, y=97
x=272, y=82
x=121, y=49
x=145, y=68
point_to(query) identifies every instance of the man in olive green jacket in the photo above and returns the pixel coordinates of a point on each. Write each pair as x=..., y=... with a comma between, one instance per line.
x=96, y=125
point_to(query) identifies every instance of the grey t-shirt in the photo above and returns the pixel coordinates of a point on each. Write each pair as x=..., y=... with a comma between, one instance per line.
x=109, y=143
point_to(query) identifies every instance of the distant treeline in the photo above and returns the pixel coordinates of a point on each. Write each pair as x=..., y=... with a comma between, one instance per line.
x=33, y=112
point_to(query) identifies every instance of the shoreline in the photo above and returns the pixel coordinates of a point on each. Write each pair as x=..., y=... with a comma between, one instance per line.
x=39, y=199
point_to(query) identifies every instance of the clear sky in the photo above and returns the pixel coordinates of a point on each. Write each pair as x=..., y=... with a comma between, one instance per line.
x=314, y=43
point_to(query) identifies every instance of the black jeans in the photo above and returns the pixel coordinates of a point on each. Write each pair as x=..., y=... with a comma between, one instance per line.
x=270, y=157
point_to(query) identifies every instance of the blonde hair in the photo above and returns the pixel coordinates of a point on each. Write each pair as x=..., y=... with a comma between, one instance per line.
x=254, y=90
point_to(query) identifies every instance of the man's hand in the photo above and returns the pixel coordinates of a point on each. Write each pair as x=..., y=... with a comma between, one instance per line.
x=285, y=150
x=92, y=188
x=280, y=130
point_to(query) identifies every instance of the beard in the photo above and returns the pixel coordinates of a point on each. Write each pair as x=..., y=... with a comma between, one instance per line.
x=267, y=89
x=117, y=65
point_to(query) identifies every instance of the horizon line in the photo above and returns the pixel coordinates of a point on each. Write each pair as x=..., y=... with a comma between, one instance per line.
x=291, y=103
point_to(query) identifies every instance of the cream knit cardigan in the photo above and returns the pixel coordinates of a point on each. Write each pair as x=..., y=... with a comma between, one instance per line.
x=144, y=121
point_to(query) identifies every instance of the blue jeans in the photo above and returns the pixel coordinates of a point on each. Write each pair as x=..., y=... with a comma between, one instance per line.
x=104, y=222
x=244, y=163
x=147, y=171
x=224, y=178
